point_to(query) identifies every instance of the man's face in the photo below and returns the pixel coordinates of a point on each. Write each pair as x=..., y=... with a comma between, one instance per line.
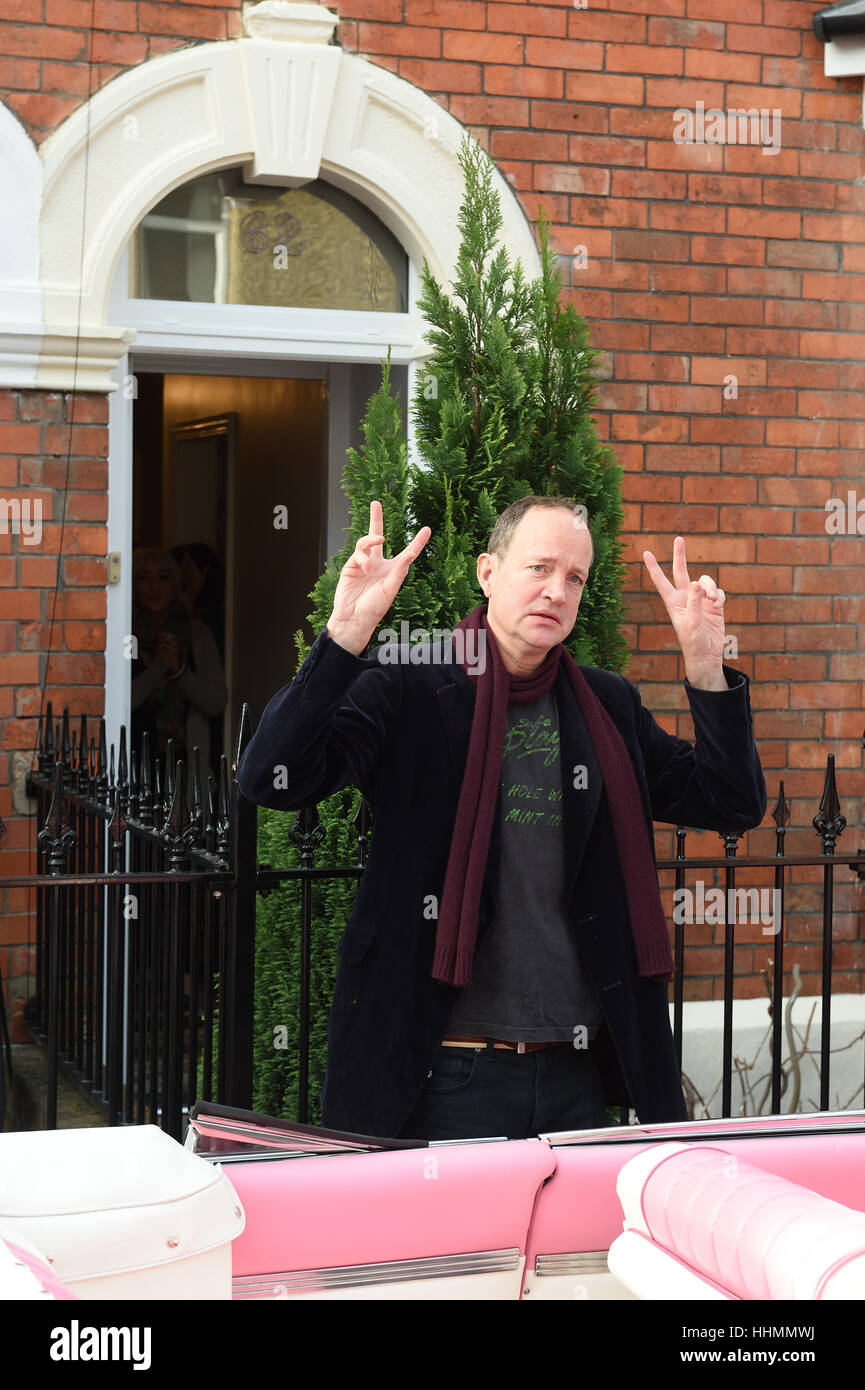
x=534, y=592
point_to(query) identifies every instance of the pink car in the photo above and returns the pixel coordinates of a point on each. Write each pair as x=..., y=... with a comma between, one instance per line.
x=257, y=1208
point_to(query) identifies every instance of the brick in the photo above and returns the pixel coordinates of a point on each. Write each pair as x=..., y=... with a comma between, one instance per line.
x=851, y=318
x=822, y=165
x=727, y=431
x=632, y=366
x=669, y=308
x=763, y=281
x=762, y=38
x=686, y=33
x=681, y=218
x=648, y=246
x=771, y=342
x=688, y=158
x=37, y=572
x=652, y=489
x=85, y=572
x=794, y=609
x=529, y=144
x=80, y=439
x=524, y=81
x=691, y=518
x=622, y=395
x=25, y=603
x=750, y=371
x=623, y=275
x=812, y=254
x=729, y=250
x=754, y=221
x=668, y=428
x=788, y=102
x=190, y=21
x=799, y=551
x=569, y=178
x=20, y=74
x=762, y=160
x=412, y=40
x=559, y=115
x=689, y=399
x=441, y=76
x=75, y=669
x=39, y=41
x=546, y=20
x=757, y=401
x=723, y=188
x=570, y=55
x=832, y=106
x=798, y=193
x=461, y=14
x=611, y=88
x=646, y=183
x=606, y=149
x=41, y=112
x=682, y=92
x=484, y=48
x=127, y=49
x=613, y=212
x=617, y=335
x=18, y=669
x=837, y=345
x=682, y=458
x=19, y=439
x=817, y=694
x=848, y=197
x=78, y=603
x=686, y=338
x=720, y=67
x=726, y=309
x=839, y=404
x=84, y=636
x=41, y=405
x=632, y=57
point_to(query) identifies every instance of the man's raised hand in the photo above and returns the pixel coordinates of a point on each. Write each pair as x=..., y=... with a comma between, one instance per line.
x=368, y=584
x=696, y=610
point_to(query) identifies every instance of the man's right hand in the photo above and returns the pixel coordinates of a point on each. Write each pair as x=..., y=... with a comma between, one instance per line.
x=368, y=585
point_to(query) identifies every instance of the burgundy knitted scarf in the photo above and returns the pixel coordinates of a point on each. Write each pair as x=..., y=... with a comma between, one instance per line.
x=496, y=688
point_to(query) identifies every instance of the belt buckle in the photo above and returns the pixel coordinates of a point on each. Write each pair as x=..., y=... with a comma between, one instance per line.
x=521, y=1047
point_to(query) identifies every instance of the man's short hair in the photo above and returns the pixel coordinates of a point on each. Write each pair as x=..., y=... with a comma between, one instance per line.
x=503, y=532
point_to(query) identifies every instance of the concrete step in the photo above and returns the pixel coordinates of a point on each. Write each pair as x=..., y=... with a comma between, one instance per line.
x=25, y=1107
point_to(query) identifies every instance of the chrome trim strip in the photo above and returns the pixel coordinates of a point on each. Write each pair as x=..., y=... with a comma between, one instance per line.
x=735, y=1127
x=365, y=1275
x=576, y=1262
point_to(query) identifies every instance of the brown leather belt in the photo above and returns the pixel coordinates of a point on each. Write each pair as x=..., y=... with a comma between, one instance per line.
x=511, y=1046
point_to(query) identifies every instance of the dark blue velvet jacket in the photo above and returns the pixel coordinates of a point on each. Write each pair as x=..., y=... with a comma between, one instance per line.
x=401, y=733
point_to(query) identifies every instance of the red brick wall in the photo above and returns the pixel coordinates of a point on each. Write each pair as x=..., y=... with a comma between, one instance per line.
x=703, y=260
x=51, y=60
x=52, y=617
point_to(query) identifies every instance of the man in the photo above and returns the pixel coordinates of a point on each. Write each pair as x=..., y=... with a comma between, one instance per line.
x=505, y=968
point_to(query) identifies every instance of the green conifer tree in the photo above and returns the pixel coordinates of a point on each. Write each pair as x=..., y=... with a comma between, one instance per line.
x=502, y=409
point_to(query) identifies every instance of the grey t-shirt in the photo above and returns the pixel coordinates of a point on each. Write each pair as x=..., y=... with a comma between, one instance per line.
x=528, y=980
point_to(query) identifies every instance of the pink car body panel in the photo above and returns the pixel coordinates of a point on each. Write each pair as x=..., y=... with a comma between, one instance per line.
x=345, y=1209
x=580, y=1210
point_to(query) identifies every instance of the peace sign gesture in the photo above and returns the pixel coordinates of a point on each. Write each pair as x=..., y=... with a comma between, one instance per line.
x=368, y=584
x=696, y=610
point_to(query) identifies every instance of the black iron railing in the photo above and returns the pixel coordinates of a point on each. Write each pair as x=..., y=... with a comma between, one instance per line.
x=145, y=925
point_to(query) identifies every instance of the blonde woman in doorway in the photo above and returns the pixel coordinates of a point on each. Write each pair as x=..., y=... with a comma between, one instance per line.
x=178, y=683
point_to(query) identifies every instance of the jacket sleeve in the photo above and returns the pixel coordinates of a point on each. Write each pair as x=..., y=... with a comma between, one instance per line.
x=326, y=730
x=717, y=782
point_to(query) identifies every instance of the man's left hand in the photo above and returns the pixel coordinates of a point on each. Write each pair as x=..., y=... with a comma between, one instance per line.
x=696, y=610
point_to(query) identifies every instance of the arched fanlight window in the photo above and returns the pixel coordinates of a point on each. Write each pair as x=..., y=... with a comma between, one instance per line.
x=220, y=240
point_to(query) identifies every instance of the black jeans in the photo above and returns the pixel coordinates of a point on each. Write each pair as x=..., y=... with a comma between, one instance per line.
x=474, y=1092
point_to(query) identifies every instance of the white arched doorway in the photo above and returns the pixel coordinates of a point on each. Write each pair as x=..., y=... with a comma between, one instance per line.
x=287, y=106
